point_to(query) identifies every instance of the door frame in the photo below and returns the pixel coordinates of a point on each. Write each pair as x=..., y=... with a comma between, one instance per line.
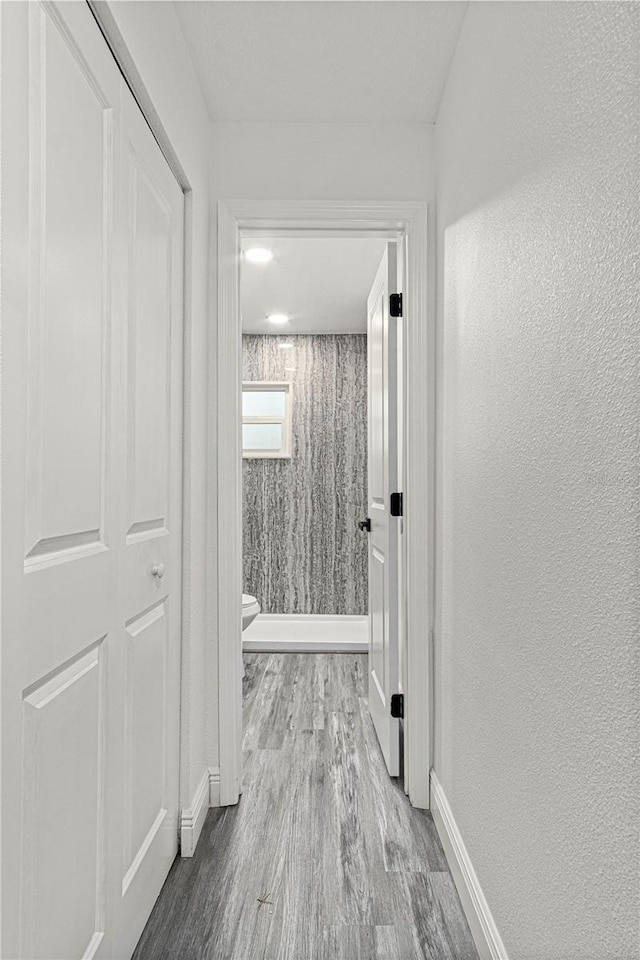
x=411, y=220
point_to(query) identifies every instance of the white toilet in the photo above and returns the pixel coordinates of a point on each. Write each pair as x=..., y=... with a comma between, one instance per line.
x=250, y=610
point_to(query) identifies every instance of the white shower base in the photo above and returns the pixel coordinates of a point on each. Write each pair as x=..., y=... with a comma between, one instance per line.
x=306, y=633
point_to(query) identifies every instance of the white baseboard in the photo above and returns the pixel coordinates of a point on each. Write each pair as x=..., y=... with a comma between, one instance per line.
x=192, y=818
x=306, y=633
x=483, y=926
x=214, y=786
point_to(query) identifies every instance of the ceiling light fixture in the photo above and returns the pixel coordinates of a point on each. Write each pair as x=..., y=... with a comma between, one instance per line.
x=278, y=318
x=258, y=255
x=287, y=345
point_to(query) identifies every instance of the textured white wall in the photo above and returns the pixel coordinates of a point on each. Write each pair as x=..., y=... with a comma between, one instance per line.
x=153, y=36
x=537, y=668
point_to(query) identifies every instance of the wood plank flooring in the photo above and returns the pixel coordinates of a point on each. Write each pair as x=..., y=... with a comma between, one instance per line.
x=323, y=858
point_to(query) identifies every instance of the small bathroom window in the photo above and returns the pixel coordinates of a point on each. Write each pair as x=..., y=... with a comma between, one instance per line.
x=266, y=419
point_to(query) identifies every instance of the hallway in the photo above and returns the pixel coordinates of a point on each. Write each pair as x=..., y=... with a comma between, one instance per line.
x=324, y=857
x=191, y=417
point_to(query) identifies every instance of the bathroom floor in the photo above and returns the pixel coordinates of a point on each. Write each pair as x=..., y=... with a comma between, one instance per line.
x=323, y=858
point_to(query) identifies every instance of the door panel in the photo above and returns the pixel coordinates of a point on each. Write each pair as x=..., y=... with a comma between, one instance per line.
x=383, y=535
x=149, y=343
x=72, y=166
x=91, y=493
x=153, y=213
x=144, y=731
x=63, y=740
x=377, y=616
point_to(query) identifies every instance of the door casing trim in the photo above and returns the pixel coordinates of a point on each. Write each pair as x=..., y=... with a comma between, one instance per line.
x=314, y=218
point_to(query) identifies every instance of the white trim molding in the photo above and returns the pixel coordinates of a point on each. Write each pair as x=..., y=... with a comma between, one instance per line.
x=237, y=218
x=483, y=926
x=214, y=786
x=192, y=818
x=306, y=633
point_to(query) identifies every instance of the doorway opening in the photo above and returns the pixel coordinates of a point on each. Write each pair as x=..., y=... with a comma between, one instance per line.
x=402, y=228
x=308, y=409
x=304, y=440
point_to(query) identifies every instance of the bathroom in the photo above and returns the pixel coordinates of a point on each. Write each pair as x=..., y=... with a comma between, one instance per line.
x=304, y=410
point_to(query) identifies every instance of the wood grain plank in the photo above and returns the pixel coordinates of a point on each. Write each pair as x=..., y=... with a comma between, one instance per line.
x=438, y=926
x=349, y=942
x=409, y=837
x=446, y=894
x=279, y=680
x=254, y=668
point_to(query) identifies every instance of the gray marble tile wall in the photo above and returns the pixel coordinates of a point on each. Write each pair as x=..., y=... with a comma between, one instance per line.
x=303, y=551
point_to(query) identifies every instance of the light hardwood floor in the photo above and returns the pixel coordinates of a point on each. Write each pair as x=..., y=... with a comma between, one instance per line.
x=323, y=858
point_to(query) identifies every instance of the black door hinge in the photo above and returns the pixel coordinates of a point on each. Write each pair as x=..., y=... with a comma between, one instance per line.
x=397, y=706
x=395, y=305
x=395, y=506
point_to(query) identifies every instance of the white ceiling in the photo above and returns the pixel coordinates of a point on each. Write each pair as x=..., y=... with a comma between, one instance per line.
x=321, y=284
x=321, y=60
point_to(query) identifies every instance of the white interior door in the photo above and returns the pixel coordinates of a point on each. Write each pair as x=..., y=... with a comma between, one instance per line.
x=384, y=529
x=91, y=411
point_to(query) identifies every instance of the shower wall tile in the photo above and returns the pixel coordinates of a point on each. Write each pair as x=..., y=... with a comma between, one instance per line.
x=303, y=551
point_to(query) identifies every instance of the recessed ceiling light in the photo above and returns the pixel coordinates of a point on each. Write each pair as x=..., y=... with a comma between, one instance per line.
x=285, y=346
x=258, y=255
x=278, y=318
x=291, y=369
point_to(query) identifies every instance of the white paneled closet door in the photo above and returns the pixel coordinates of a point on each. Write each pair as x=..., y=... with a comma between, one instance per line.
x=91, y=466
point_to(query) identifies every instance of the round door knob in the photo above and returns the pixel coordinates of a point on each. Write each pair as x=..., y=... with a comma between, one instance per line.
x=158, y=571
